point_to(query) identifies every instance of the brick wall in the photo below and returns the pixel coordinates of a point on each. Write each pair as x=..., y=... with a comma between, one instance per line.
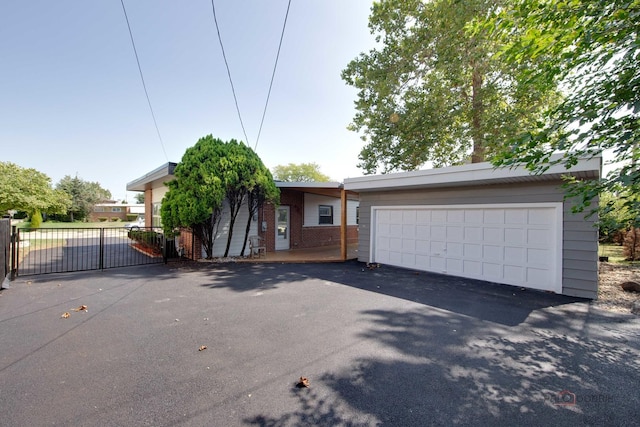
x=190, y=243
x=301, y=237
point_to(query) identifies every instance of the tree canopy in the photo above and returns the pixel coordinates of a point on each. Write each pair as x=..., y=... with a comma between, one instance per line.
x=592, y=50
x=28, y=190
x=301, y=172
x=433, y=92
x=83, y=194
x=209, y=173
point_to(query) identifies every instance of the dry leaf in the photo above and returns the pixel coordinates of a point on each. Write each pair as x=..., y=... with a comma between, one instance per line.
x=202, y=347
x=304, y=382
x=65, y=315
x=82, y=308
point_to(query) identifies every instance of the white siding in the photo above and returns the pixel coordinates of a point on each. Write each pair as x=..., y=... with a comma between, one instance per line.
x=313, y=201
x=157, y=194
x=238, y=233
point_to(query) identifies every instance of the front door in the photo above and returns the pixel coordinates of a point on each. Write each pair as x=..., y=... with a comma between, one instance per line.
x=282, y=228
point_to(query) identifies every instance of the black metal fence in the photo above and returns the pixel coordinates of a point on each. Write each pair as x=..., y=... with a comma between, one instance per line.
x=5, y=248
x=61, y=250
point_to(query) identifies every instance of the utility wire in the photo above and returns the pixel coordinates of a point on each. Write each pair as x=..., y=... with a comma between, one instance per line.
x=143, y=83
x=272, y=75
x=235, y=98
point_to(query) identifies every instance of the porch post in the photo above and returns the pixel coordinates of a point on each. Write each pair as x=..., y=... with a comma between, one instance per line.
x=343, y=224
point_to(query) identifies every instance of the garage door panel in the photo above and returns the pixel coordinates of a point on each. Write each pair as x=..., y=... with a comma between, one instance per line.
x=518, y=245
x=494, y=216
x=472, y=250
x=473, y=234
x=438, y=232
x=409, y=230
x=455, y=233
x=514, y=255
x=492, y=253
x=514, y=236
x=423, y=232
x=538, y=237
x=492, y=234
x=516, y=216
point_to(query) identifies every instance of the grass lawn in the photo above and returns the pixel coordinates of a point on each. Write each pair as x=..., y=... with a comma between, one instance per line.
x=55, y=224
x=615, y=254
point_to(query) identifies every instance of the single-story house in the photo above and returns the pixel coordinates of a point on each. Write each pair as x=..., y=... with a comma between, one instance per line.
x=115, y=212
x=476, y=221
x=310, y=214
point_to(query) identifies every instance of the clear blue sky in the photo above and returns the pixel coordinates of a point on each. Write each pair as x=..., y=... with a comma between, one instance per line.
x=72, y=101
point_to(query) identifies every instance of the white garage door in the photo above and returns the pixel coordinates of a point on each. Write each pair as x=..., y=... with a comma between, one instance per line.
x=515, y=244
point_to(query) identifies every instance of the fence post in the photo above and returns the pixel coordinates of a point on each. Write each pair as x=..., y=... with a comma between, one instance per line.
x=164, y=248
x=101, y=260
x=14, y=252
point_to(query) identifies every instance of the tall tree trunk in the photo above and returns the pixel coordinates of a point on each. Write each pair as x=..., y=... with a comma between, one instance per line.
x=477, y=134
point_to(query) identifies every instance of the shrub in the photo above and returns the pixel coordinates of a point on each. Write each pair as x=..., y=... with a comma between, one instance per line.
x=103, y=219
x=115, y=219
x=36, y=219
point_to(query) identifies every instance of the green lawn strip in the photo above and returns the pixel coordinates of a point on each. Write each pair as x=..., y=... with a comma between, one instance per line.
x=615, y=254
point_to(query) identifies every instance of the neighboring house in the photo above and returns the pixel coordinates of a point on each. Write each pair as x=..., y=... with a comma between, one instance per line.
x=309, y=215
x=499, y=225
x=113, y=211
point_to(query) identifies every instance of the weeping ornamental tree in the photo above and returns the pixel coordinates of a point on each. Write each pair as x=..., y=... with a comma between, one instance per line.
x=211, y=174
x=432, y=91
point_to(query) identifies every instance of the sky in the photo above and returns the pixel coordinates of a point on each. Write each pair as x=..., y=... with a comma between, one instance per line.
x=72, y=100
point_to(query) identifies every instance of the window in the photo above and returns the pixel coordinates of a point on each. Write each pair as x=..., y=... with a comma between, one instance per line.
x=156, y=219
x=98, y=209
x=357, y=215
x=326, y=214
x=116, y=209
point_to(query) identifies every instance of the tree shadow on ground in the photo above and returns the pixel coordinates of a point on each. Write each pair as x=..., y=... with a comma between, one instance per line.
x=510, y=305
x=445, y=369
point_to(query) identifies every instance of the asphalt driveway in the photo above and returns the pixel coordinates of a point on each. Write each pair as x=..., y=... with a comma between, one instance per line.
x=384, y=346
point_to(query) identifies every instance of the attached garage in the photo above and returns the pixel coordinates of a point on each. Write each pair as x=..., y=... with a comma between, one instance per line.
x=499, y=225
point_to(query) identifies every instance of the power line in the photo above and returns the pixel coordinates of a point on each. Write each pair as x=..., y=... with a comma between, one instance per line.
x=272, y=75
x=142, y=78
x=235, y=98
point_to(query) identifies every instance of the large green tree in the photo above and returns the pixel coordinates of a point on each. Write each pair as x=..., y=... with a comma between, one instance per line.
x=210, y=173
x=29, y=190
x=591, y=48
x=84, y=195
x=301, y=172
x=432, y=90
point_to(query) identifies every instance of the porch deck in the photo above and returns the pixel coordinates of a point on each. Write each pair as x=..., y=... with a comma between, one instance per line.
x=320, y=254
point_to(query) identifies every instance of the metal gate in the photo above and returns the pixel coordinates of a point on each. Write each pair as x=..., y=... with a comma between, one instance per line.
x=61, y=250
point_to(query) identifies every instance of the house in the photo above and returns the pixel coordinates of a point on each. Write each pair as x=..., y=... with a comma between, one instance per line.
x=500, y=225
x=309, y=215
x=115, y=212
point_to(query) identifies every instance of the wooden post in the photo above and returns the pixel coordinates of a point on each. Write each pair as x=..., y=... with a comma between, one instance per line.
x=343, y=224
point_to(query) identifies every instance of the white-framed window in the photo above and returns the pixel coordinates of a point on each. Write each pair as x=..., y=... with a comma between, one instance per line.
x=325, y=213
x=98, y=208
x=116, y=209
x=156, y=219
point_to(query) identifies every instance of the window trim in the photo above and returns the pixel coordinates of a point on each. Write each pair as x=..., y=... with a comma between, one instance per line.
x=327, y=217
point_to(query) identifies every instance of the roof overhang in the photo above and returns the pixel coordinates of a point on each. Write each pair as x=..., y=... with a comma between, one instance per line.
x=330, y=189
x=472, y=174
x=155, y=178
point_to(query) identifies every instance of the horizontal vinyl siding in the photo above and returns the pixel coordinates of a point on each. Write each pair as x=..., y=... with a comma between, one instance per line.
x=237, y=241
x=580, y=242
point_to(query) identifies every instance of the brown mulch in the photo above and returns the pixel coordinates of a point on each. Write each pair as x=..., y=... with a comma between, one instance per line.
x=611, y=297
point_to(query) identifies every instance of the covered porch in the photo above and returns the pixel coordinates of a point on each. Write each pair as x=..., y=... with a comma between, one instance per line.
x=318, y=254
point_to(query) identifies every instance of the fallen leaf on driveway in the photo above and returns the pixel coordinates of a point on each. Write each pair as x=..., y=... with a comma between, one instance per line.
x=304, y=382
x=65, y=315
x=81, y=308
x=202, y=347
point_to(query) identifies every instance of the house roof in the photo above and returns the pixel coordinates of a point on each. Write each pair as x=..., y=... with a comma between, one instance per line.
x=471, y=174
x=331, y=189
x=156, y=176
